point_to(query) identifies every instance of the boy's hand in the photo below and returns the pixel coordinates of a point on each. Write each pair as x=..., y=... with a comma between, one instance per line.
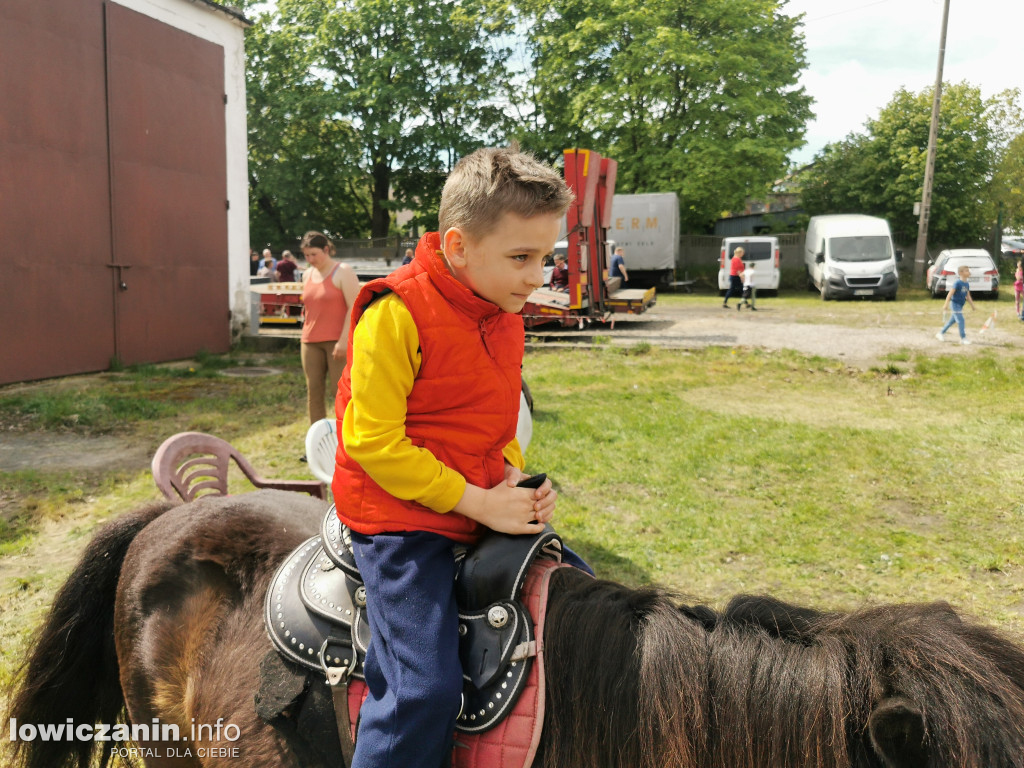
x=544, y=495
x=508, y=509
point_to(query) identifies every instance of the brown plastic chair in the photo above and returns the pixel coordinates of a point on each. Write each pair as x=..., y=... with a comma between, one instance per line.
x=194, y=464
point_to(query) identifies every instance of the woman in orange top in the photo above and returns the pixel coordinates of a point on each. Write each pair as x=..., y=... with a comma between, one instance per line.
x=328, y=290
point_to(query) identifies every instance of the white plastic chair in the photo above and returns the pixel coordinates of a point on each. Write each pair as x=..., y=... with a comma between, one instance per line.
x=524, y=428
x=321, y=447
x=322, y=442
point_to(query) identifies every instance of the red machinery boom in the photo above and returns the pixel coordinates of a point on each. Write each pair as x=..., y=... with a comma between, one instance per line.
x=591, y=296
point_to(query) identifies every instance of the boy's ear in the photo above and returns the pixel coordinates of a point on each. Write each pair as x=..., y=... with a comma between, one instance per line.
x=454, y=246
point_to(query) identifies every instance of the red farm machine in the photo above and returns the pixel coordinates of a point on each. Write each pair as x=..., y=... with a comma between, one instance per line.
x=592, y=295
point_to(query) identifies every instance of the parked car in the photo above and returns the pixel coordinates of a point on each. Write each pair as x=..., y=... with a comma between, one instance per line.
x=1013, y=248
x=942, y=272
x=762, y=250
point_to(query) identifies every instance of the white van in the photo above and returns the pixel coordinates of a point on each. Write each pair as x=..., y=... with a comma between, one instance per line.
x=760, y=250
x=849, y=255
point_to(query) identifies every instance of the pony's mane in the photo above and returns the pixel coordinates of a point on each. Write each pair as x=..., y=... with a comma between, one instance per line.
x=765, y=683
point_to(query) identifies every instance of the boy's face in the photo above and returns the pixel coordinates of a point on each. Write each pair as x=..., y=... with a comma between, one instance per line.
x=965, y=272
x=507, y=264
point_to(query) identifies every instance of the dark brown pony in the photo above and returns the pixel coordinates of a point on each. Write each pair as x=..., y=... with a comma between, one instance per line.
x=162, y=618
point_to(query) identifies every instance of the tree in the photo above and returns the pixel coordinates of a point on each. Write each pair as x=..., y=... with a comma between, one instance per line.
x=361, y=107
x=881, y=171
x=1008, y=179
x=1008, y=185
x=697, y=98
x=418, y=79
x=303, y=159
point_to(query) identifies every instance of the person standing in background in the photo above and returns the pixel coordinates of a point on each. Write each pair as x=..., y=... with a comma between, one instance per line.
x=735, y=279
x=286, y=267
x=268, y=258
x=328, y=290
x=560, y=274
x=618, y=266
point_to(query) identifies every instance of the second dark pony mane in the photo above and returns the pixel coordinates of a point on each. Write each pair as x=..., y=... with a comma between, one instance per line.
x=765, y=683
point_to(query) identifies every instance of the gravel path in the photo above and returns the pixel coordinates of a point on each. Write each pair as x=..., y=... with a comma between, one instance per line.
x=701, y=321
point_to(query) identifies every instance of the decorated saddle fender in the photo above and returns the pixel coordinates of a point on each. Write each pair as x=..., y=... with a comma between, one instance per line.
x=315, y=616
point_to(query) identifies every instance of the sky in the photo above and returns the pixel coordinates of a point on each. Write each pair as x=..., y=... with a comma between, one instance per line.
x=860, y=52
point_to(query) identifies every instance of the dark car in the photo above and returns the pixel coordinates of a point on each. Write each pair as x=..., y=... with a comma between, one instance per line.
x=1013, y=248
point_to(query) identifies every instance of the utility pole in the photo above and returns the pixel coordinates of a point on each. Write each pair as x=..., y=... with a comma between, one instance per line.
x=929, y=169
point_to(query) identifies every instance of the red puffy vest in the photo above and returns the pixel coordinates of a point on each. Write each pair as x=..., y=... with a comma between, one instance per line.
x=464, y=403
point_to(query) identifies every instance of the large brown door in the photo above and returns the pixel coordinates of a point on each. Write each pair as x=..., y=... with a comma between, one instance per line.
x=112, y=173
x=169, y=189
x=56, y=307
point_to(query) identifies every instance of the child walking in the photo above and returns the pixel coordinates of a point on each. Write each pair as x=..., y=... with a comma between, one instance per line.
x=955, y=299
x=749, y=290
x=1018, y=289
x=428, y=405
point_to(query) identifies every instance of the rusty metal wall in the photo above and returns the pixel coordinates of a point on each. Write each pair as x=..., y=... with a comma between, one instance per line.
x=166, y=91
x=55, y=301
x=112, y=152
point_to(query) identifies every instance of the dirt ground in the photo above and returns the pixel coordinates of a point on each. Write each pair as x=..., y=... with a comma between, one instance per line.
x=863, y=341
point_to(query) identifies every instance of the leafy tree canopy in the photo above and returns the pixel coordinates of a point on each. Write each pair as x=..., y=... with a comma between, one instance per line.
x=881, y=171
x=697, y=98
x=359, y=107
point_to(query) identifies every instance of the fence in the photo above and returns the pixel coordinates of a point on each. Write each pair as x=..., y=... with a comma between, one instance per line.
x=699, y=255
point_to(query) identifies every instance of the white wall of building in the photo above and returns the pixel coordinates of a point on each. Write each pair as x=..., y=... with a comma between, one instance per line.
x=228, y=31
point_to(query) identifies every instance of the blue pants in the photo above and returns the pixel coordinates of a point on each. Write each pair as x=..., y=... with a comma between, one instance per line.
x=958, y=318
x=412, y=668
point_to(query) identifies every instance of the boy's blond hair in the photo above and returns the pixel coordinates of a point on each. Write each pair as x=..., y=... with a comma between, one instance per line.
x=497, y=180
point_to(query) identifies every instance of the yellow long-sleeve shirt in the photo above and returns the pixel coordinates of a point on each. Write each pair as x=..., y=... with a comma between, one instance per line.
x=385, y=362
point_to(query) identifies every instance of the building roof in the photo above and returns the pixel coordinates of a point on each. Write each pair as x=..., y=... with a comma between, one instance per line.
x=227, y=10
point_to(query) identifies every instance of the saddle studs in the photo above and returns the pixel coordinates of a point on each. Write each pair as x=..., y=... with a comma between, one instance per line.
x=463, y=630
x=497, y=617
x=360, y=596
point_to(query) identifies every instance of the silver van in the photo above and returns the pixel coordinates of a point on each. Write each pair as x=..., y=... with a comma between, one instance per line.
x=760, y=250
x=851, y=255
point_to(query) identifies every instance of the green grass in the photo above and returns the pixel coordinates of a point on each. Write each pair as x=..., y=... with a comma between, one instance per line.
x=719, y=472
x=713, y=472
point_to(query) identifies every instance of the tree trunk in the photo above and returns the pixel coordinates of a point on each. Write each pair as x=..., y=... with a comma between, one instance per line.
x=380, y=216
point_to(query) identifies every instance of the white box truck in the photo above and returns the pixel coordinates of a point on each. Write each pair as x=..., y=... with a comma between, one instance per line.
x=851, y=255
x=647, y=229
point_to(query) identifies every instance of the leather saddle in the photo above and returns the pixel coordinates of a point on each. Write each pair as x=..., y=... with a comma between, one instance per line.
x=315, y=615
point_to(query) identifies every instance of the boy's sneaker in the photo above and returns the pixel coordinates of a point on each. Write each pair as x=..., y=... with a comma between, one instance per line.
x=965, y=341
x=939, y=336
